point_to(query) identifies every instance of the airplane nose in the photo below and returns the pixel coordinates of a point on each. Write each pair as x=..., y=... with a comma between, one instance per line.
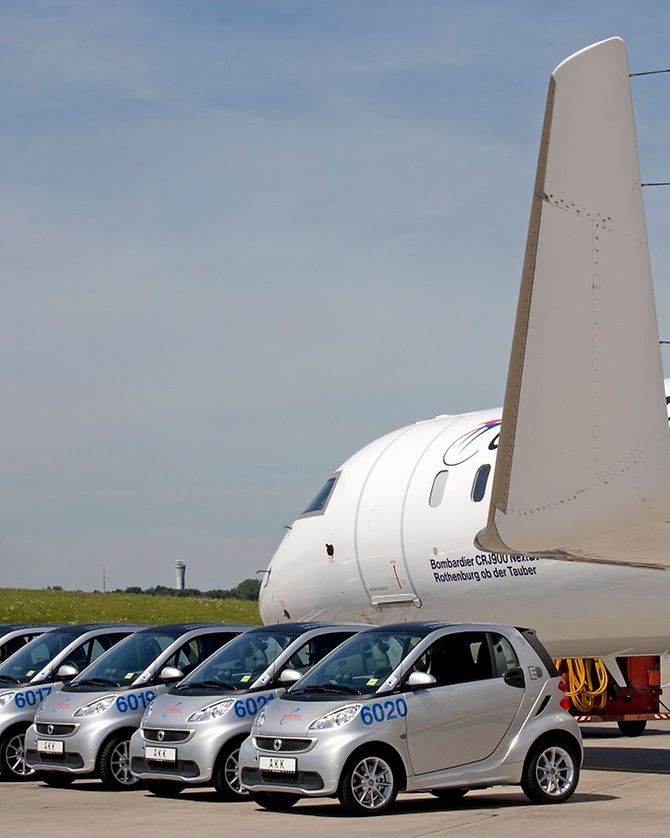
x=265, y=599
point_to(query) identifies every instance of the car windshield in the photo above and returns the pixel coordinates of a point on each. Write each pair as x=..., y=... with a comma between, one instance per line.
x=128, y=659
x=239, y=663
x=34, y=656
x=359, y=665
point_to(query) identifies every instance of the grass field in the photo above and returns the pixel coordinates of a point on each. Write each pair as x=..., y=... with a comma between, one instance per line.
x=22, y=605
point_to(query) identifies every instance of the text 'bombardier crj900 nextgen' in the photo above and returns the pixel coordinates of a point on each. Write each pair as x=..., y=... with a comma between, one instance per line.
x=553, y=511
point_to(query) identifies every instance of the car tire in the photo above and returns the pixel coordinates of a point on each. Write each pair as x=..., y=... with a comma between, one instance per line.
x=368, y=785
x=56, y=779
x=226, y=776
x=114, y=765
x=163, y=788
x=551, y=772
x=449, y=796
x=275, y=801
x=13, y=766
x=632, y=728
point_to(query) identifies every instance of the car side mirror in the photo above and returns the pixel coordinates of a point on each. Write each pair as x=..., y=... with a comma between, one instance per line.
x=289, y=677
x=67, y=672
x=418, y=680
x=515, y=678
x=170, y=673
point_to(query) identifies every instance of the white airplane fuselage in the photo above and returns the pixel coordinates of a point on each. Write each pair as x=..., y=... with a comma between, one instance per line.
x=394, y=541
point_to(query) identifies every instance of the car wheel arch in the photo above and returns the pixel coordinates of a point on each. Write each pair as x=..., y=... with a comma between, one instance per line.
x=117, y=733
x=229, y=744
x=560, y=737
x=383, y=749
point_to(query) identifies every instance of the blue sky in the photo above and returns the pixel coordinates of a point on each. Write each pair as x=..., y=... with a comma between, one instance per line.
x=242, y=239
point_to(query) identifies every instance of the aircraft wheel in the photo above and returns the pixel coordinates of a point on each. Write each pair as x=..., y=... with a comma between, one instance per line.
x=276, y=801
x=634, y=728
x=56, y=779
x=163, y=788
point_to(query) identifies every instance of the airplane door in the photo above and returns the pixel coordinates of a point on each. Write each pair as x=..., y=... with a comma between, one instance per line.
x=379, y=521
x=464, y=721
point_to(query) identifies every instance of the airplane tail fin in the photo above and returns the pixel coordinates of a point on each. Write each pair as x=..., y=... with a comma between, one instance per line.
x=583, y=465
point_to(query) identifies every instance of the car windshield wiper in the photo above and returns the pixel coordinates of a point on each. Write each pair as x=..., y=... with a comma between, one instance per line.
x=327, y=688
x=96, y=682
x=210, y=684
x=10, y=679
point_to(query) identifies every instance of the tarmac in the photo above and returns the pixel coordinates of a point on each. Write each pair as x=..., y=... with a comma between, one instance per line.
x=624, y=789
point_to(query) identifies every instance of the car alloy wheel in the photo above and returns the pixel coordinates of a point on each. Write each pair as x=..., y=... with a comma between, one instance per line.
x=14, y=758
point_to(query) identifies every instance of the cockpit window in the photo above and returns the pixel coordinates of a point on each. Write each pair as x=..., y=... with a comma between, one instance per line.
x=318, y=505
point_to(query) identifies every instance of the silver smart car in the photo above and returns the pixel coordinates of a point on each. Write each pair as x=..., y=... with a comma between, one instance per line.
x=85, y=729
x=35, y=671
x=192, y=735
x=433, y=707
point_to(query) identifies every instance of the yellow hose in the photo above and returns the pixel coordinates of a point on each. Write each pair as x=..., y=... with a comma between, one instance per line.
x=587, y=683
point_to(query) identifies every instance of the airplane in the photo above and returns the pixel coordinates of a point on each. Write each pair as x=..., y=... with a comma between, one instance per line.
x=552, y=512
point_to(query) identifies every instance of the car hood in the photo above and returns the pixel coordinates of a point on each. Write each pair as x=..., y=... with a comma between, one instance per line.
x=294, y=716
x=60, y=705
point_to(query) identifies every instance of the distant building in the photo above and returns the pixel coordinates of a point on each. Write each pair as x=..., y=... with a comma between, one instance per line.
x=180, y=570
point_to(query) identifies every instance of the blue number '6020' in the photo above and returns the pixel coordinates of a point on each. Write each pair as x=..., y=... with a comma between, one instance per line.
x=250, y=706
x=382, y=711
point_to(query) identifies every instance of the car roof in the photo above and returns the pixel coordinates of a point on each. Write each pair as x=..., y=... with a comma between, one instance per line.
x=76, y=630
x=427, y=627
x=301, y=627
x=185, y=627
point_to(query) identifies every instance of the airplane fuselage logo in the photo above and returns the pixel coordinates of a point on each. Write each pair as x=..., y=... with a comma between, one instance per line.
x=469, y=444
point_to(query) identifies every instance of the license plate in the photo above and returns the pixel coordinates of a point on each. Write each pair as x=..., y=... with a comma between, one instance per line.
x=50, y=746
x=286, y=765
x=161, y=754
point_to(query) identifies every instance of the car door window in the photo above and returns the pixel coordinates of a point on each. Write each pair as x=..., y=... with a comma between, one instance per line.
x=457, y=659
x=210, y=643
x=79, y=656
x=14, y=645
x=187, y=657
x=311, y=652
x=504, y=656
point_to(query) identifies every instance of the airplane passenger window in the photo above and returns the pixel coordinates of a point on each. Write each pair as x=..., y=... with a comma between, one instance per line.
x=437, y=490
x=479, y=485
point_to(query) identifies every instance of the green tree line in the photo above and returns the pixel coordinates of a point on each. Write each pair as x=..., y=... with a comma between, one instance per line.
x=247, y=589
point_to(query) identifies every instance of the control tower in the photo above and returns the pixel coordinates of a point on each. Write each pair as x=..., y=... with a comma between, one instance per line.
x=180, y=570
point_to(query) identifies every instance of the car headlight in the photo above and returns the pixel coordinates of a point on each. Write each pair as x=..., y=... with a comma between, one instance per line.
x=259, y=721
x=336, y=718
x=212, y=711
x=147, y=713
x=97, y=706
x=5, y=698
